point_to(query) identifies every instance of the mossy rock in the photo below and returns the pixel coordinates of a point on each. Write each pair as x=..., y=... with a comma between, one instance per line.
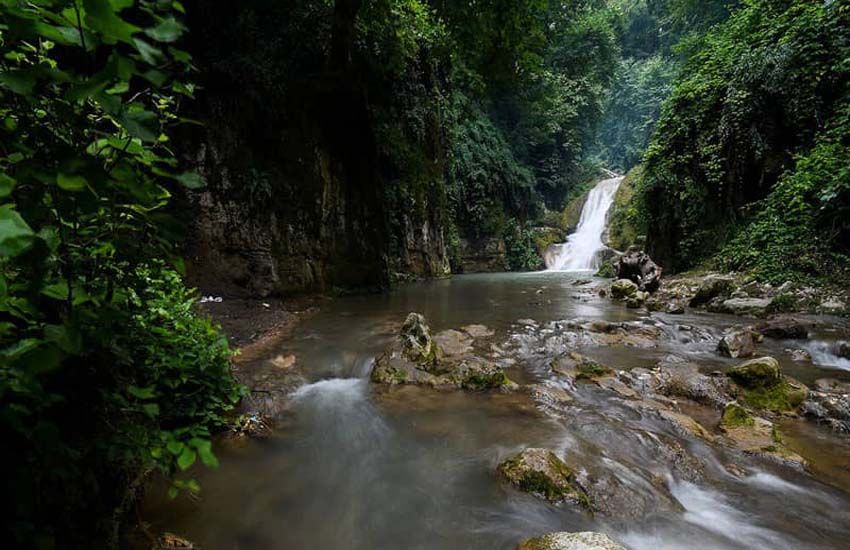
x=591, y=370
x=417, y=344
x=384, y=372
x=572, y=213
x=757, y=373
x=784, y=396
x=623, y=289
x=541, y=473
x=607, y=270
x=623, y=229
x=544, y=237
x=736, y=416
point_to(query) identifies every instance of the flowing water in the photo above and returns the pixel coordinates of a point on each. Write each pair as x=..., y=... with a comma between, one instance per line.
x=581, y=250
x=356, y=466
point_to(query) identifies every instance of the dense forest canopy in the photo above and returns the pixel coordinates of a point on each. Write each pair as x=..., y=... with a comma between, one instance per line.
x=475, y=120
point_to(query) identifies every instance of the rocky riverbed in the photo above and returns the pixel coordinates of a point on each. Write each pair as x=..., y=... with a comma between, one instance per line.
x=491, y=410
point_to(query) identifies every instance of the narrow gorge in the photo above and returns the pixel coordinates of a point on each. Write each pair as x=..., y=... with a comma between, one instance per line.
x=420, y=274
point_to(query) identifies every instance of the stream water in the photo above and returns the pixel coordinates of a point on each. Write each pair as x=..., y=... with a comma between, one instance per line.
x=358, y=466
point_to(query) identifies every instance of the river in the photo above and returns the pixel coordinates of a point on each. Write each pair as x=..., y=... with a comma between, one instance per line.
x=354, y=465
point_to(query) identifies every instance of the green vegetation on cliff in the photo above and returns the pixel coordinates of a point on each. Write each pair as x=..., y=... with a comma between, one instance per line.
x=749, y=157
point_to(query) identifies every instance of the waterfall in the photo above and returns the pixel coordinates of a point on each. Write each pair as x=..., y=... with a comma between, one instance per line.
x=581, y=248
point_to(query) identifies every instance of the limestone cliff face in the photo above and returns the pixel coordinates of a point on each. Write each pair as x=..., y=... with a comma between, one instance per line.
x=304, y=189
x=284, y=233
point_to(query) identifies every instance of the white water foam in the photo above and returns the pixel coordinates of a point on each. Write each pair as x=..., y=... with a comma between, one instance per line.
x=823, y=356
x=580, y=250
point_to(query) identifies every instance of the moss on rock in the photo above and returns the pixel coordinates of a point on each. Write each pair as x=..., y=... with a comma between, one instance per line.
x=590, y=370
x=734, y=416
x=541, y=473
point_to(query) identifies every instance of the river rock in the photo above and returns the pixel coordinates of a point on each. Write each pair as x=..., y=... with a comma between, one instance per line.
x=541, y=473
x=416, y=357
x=453, y=342
x=829, y=403
x=741, y=306
x=578, y=367
x=757, y=373
x=739, y=343
x=417, y=344
x=799, y=355
x=711, y=287
x=586, y=540
x=756, y=436
x=841, y=349
x=676, y=377
x=764, y=387
x=783, y=328
x=636, y=266
x=637, y=300
x=623, y=289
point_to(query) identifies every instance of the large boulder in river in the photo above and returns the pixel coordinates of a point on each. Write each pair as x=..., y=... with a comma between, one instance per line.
x=416, y=341
x=586, y=540
x=757, y=373
x=764, y=387
x=541, y=473
x=623, y=289
x=636, y=266
x=783, y=328
x=739, y=342
x=712, y=287
x=447, y=359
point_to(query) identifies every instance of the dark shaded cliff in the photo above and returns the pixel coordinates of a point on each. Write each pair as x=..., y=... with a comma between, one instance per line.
x=300, y=193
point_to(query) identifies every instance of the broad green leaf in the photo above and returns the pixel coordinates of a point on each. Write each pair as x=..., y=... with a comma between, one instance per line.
x=66, y=337
x=20, y=81
x=168, y=30
x=186, y=458
x=70, y=182
x=151, y=409
x=173, y=492
x=43, y=359
x=148, y=53
x=102, y=16
x=190, y=180
x=140, y=123
x=141, y=393
x=7, y=183
x=205, y=452
x=57, y=291
x=175, y=447
x=20, y=348
x=15, y=235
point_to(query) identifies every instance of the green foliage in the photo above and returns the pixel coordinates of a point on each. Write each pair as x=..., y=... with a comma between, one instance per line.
x=105, y=372
x=634, y=105
x=520, y=248
x=756, y=94
x=801, y=231
x=487, y=182
x=624, y=220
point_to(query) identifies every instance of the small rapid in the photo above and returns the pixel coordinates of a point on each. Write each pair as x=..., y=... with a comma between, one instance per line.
x=581, y=249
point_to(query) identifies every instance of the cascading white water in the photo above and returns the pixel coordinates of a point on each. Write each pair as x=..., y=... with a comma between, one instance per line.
x=581, y=248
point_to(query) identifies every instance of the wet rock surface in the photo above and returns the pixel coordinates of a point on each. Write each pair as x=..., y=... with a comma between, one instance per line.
x=636, y=266
x=446, y=360
x=541, y=473
x=571, y=541
x=758, y=436
x=739, y=342
x=829, y=403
